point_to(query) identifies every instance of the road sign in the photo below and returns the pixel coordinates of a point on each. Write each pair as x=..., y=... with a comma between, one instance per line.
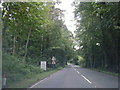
x=53, y=60
x=43, y=65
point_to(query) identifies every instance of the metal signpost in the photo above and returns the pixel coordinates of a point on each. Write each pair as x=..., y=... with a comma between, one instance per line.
x=43, y=65
x=53, y=61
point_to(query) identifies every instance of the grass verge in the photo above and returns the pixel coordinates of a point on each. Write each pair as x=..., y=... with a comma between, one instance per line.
x=107, y=72
x=33, y=78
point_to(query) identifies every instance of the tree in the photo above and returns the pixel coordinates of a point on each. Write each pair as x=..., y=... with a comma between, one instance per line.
x=97, y=35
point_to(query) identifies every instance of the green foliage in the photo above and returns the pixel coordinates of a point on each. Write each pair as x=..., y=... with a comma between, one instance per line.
x=81, y=61
x=78, y=60
x=75, y=60
x=33, y=32
x=96, y=33
x=33, y=29
x=16, y=69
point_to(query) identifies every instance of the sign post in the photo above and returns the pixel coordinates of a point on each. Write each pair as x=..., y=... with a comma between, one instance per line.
x=43, y=65
x=53, y=61
x=4, y=80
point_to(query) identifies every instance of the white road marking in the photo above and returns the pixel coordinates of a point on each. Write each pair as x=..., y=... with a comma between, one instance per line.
x=95, y=86
x=35, y=84
x=38, y=83
x=86, y=79
x=78, y=72
x=43, y=80
x=83, y=76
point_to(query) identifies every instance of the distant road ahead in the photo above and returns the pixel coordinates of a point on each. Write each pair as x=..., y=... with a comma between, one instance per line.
x=76, y=77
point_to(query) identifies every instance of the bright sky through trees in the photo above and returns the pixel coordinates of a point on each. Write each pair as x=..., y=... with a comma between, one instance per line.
x=69, y=15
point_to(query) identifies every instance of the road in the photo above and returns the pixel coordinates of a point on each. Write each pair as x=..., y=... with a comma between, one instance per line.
x=76, y=77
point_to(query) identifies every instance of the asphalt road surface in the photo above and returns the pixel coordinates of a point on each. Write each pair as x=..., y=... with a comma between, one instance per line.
x=75, y=77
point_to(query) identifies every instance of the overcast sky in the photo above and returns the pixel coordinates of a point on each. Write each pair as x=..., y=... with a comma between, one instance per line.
x=69, y=15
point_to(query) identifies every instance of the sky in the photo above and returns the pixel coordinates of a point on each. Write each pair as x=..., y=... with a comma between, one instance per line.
x=69, y=15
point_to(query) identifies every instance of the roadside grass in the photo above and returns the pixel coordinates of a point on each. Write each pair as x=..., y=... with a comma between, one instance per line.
x=103, y=71
x=107, y=72
x=32, y=78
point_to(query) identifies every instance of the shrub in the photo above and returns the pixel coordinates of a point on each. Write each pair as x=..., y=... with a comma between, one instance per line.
x=81, y=61
x=16, y=69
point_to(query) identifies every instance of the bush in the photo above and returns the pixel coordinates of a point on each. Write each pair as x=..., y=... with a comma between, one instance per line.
x=16, y=69
x=75, y=60
x=81, y=61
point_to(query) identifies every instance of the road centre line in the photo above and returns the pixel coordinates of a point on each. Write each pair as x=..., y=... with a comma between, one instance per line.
x=83, y=76
x=86, y=79
x=78, y=72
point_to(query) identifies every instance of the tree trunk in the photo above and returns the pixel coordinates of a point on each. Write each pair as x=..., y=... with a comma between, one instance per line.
x=105, y=60
x=14, y=46
x=26, y=47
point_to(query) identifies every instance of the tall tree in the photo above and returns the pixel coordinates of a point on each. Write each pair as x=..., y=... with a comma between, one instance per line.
x=97, y=33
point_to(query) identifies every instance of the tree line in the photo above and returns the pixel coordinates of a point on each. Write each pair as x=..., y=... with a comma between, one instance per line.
x=98, y=34
x=33, y=32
